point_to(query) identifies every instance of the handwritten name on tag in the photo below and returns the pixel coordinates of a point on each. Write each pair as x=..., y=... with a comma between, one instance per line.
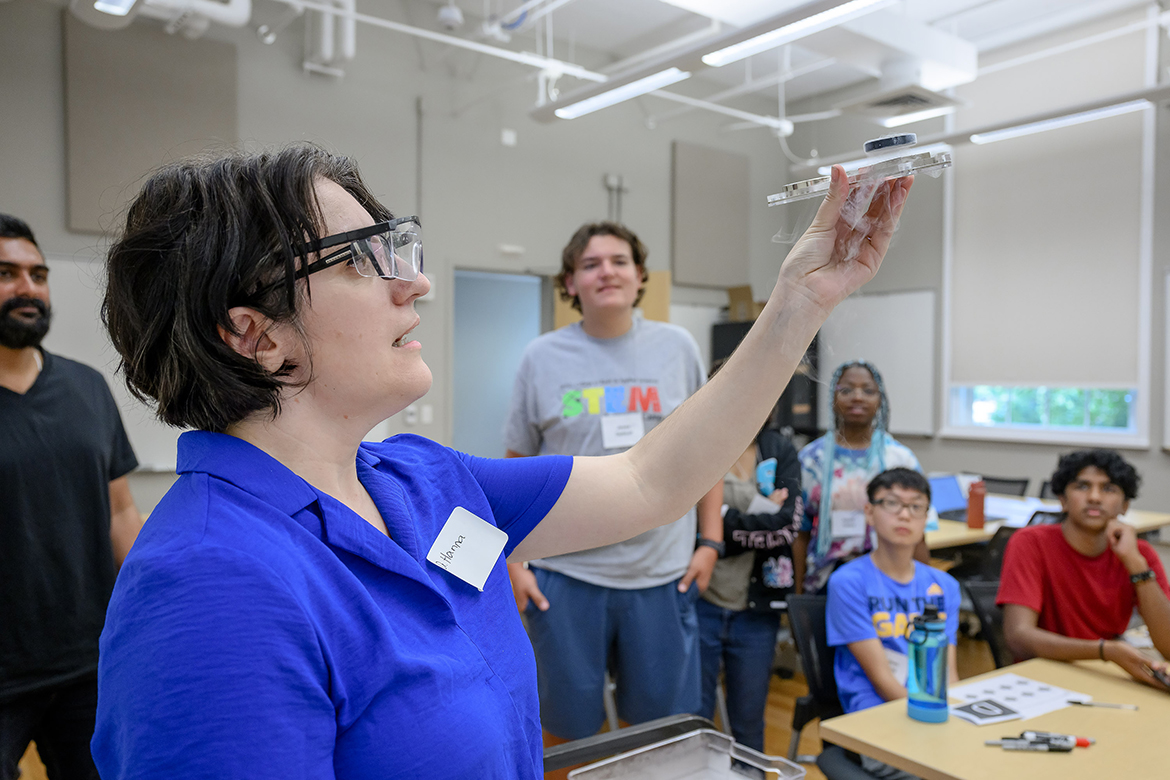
x=622, y=430
x=467, y=547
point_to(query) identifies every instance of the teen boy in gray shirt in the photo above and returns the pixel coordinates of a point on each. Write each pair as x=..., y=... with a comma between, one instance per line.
x=594, y=388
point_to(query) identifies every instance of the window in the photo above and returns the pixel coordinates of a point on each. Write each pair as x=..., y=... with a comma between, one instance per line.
x=1068, y=409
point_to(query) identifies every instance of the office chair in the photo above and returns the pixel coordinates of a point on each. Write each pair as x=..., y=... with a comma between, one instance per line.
x=806, y=616
x=993, y=555
x=1046, y=491
x=1007, y=486
x=982, y=594
x=1040, y=517
x=984, y=564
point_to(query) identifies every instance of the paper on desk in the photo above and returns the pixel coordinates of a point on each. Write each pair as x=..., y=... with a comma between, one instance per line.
x=1016, y=512
x=1008, y=696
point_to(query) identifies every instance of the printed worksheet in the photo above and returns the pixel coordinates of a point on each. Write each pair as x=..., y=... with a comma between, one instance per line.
x=1008, y=697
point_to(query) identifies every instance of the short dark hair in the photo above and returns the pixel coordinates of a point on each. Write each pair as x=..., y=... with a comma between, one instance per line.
x=907, y=479
x=1120, y=472
x=577, y=245
x=203, y=236
x=14, y=227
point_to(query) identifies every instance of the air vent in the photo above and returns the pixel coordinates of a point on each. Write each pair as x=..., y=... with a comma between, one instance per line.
x=900, y=102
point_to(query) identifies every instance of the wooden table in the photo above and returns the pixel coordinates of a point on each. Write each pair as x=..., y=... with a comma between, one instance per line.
x=1129, y=744
x=952, y=533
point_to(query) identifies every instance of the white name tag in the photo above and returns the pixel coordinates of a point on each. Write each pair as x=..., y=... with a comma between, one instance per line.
x=468, y=547
x=899, y=664
x=621, y=430
x=847, y=522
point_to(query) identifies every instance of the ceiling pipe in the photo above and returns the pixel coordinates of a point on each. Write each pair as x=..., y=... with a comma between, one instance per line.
x=516, y=13
x=521, y=57
x=750, y=87
x=348, y=29
x=690, y=60
x=782, y=126
x=234, y=13
x=1154, y=95
x=542, y=12
x=714, y=28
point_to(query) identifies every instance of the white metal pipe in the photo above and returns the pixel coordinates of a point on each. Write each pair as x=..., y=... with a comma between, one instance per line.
x=686, y=40
x=348, y=30
x=748, y=87
x=522, y=57
x=543, y=11
x=784, y=126
x=234, y=13
x=516, y=13
x=325, y=39
x=1161, y=19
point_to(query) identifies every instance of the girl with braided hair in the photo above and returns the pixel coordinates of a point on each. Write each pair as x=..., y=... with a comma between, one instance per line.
x=835, y=470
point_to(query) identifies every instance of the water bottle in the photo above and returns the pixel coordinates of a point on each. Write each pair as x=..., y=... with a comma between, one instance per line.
x=766, y=476
x=927, y=680
x=975, y=497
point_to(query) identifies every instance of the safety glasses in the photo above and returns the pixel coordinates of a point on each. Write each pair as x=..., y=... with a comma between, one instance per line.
x=388, y=250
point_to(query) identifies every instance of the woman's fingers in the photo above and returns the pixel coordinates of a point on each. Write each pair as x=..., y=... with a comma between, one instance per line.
x=830, y=210
x=887, y=220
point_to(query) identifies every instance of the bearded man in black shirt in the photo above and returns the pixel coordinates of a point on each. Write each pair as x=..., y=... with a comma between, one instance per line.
x=67, y=520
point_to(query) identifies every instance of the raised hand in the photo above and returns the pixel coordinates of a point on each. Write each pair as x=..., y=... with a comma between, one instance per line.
x=844, y=246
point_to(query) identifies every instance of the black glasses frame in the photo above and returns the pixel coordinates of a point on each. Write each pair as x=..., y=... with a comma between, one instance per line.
x=346, y=238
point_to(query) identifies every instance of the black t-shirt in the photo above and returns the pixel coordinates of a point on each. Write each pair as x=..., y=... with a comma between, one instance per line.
x=61, y=444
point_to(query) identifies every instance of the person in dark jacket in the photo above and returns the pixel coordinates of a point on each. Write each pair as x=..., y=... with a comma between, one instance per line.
x=739, y=614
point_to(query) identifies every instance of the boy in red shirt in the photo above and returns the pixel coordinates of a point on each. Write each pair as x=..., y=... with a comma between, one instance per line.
x=1068, y=590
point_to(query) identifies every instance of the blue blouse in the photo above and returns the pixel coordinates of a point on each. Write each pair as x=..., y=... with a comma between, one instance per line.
x=259, y=628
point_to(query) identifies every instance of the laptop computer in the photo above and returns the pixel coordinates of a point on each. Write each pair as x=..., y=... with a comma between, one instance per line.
x=948, y=498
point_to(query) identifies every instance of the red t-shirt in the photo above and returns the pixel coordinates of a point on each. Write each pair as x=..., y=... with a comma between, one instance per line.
x=1076, y=596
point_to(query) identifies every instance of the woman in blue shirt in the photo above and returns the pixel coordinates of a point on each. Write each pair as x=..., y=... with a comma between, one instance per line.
x=303, y=604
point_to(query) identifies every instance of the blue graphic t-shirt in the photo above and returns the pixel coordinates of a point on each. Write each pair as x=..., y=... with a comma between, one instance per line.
x=865, y=603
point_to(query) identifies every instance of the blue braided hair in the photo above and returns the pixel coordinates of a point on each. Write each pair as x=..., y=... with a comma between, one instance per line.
x=875, y=455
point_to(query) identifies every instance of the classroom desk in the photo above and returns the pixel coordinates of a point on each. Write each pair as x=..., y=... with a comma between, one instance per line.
x=952, y=533
x=1129, y=744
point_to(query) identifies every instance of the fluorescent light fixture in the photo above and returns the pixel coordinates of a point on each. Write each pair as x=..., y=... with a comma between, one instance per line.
x=916, y=116
x=663, y=78
x=1060, y=121
x=114, y=7
x=898, y=151
x=790, y=32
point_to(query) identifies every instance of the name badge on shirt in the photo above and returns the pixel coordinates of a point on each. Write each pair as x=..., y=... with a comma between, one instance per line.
x=468, y=547
x=899, y=664
x=621, y=430
x=847, y=522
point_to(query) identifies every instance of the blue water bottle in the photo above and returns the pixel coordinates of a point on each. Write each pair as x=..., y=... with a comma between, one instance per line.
x=927, y=680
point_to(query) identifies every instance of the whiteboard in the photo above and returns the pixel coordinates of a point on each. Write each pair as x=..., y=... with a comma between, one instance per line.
x=75, y=291
x=894, y=332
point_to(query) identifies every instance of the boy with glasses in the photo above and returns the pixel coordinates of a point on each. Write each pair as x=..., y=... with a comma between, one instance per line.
x=874, y=599
x=1068, y=591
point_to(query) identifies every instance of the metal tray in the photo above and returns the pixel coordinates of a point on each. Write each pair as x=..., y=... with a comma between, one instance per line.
x=704, y=754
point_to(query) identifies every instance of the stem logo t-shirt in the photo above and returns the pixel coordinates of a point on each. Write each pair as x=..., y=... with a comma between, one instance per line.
x=864, y=603
x=568, y=383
